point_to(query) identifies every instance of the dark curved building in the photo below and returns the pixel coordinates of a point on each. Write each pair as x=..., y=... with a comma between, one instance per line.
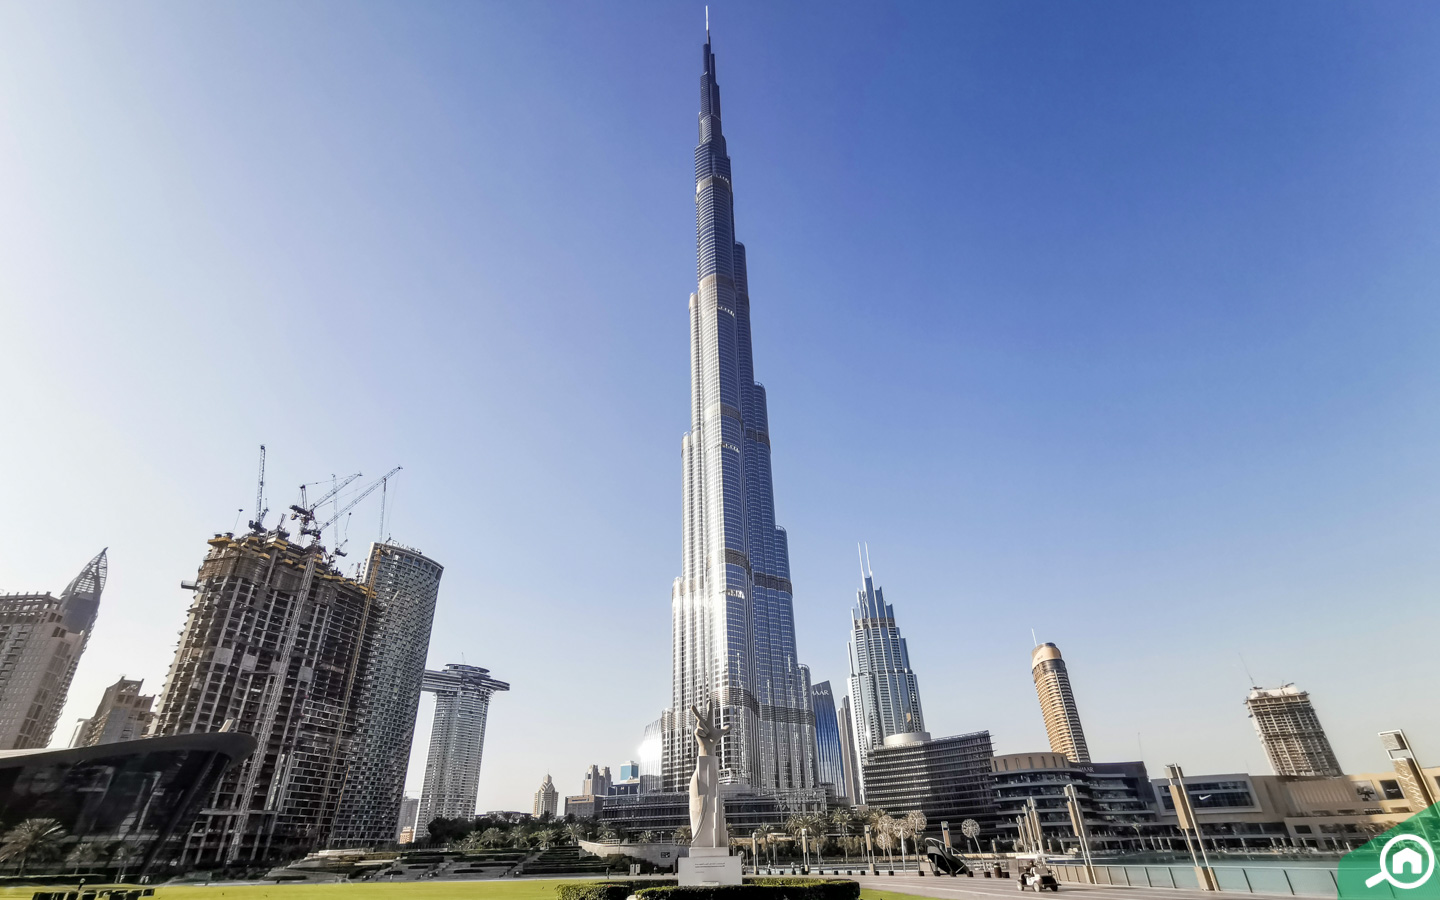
x=145, y=793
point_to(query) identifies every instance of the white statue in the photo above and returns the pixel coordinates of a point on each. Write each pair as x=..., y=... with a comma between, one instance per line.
x=707, y=809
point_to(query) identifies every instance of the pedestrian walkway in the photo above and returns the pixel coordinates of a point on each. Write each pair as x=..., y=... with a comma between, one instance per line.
x=963, y=888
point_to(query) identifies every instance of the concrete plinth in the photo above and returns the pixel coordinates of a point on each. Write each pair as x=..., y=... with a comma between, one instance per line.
x=710, y=866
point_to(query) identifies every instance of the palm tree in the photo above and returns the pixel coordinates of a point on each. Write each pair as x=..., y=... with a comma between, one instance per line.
x=33, y=839
x=841, y=820
x=492, y=837
x=884, y=829
x=519, y=839
x=87, y=853
x=682, y=834
x=819, y=825
x=576, y=832
x=647, y=837
x=121, y=853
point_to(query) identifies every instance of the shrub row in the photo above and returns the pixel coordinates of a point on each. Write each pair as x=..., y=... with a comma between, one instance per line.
x=605, y=890
x=759, y=889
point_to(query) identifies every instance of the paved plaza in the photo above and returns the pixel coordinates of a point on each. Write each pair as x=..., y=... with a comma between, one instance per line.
x=962, y=888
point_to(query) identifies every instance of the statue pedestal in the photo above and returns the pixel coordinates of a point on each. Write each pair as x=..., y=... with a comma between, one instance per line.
x=710, y=866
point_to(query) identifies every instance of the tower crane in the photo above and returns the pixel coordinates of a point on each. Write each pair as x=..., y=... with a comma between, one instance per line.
x=261, y=510
x=358, y=497
x=305, y=510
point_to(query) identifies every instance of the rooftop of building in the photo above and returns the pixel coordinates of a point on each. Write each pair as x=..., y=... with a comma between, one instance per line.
x=1043, y=652
x=1282, y=692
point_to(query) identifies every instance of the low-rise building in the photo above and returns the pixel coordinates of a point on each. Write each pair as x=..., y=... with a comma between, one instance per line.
x=948, y=779
x=663, y=812
x=584, y=806
x=1116, y=800
x=1238, y=811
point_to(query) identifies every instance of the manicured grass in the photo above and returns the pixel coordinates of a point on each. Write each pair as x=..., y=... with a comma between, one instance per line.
x=869, y=894
x=516, y=889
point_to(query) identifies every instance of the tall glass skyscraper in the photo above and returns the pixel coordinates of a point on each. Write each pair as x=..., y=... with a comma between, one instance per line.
x=1057, y=703
x=829, y=758
x=732, y=616
x=457, y=742
x=883, y=690
x=406, y=584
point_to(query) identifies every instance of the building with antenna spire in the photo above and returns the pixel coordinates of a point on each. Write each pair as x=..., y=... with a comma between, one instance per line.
x=732, y=615
x=41, y=639
x=884, y=693
x=1057, y=703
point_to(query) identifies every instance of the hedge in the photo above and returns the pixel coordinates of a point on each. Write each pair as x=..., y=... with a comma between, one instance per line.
x=758, y=889
x=605, y=890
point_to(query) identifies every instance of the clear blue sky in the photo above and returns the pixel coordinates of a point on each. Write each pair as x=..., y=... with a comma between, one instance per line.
x=1117, y=321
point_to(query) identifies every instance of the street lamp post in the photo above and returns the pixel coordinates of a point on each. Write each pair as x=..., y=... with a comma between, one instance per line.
x=1186, y=814
x=1077, y=820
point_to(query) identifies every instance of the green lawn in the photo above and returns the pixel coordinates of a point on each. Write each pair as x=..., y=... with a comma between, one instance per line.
x=868, y=894
x=517, y=889
x=453, y=890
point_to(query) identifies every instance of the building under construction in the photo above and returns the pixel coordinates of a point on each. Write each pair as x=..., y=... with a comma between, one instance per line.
x=275, y=645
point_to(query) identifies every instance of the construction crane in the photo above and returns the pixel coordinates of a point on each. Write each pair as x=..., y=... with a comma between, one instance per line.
x=384, y=490
x=261, y=510
x=305, y=510
x=358, y=497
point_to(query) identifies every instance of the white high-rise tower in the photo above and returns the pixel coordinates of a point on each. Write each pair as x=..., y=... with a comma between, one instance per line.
x=733, y=639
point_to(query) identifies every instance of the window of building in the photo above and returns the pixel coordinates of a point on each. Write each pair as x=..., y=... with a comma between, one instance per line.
x=1392, y=790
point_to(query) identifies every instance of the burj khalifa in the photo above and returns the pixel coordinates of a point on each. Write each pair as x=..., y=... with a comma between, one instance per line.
x=733, y=639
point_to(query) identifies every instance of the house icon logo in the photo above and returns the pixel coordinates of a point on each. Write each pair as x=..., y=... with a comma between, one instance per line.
x=1402, y=863
x=1393, y=864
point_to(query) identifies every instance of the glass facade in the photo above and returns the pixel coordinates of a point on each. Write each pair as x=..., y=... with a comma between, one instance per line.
x=1116, y=800
x=1057, y=703
x=143, y=795
x=884, y=694
x=457, y=742
x=733, y=623
x=406, y=584
x=829, y=760
x=947, y=779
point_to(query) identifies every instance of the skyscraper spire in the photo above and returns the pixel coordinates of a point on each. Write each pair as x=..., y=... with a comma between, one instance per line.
x=732, y=613
x=884, y=692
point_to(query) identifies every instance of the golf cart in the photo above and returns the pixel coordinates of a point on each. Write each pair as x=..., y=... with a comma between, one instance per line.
x=1035, y=875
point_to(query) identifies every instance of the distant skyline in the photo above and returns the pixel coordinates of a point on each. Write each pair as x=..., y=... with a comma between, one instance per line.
x=1113, y=322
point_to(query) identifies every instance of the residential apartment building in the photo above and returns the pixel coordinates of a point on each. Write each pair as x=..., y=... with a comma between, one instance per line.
x=41, y=639
x=124, y=714
x=1057, y=703
x=457, y=742
x=405, y=584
